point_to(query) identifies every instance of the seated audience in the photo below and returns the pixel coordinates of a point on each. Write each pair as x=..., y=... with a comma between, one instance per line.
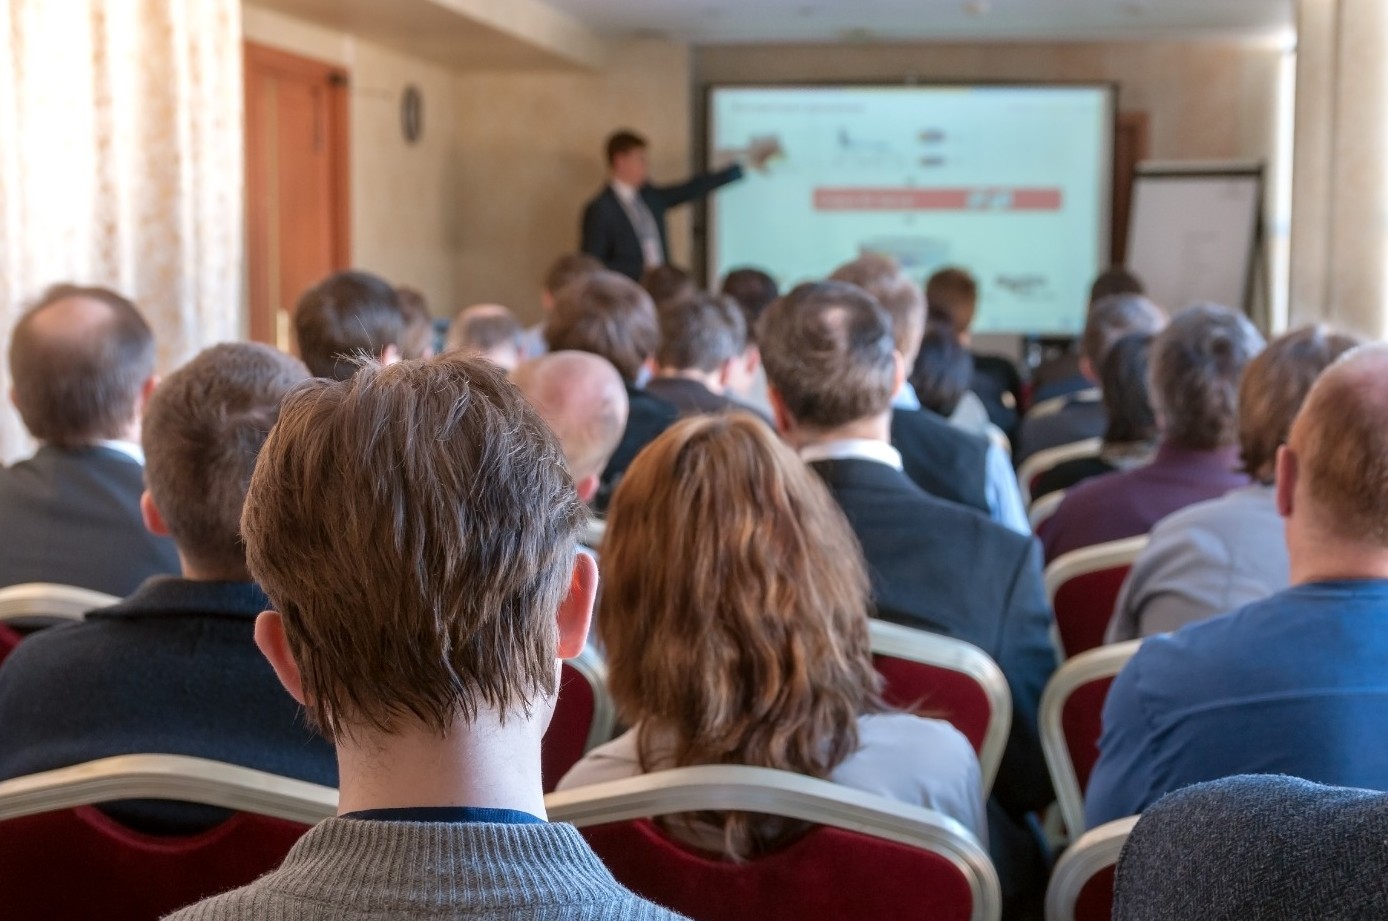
x=1218, y=555
x=942, y=460
x=952, y=293
x=81, y=369
x=1081, y=414
x=666, y=282
x=422, y=598
x=489, y=331
x=753, y=290
x=1195, y=367
x=1293, y=684
x=346, y=317
x=611, y=316
x=1257, y=849
x=1062, y=376
x=173, y=668
x=582, y=399
x=563, y=270
x=417, y=338
x=770, y=667
x=833, y=368
x=1130, y=438
x=703, y=355
x=942, y=374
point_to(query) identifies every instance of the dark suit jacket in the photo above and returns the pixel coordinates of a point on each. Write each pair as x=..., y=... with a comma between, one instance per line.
x=607, y=233
x=946, y=462
x=72, y=516
x=691, y=398
x=938, y=567
x=647, y=417
x=173, y=669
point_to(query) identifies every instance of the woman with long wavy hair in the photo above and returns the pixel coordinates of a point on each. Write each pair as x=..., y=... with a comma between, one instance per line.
x=734, y=614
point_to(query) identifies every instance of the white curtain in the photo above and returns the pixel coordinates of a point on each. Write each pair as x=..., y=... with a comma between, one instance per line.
x=121, y=164
x=1339, y=253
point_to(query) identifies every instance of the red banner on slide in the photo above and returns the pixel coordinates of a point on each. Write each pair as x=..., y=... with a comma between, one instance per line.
x=908, y=199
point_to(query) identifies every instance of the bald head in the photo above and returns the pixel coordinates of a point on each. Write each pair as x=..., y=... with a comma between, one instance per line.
x=583, y=400
x=1340, y=446
x=81, y=360
x=489, y=330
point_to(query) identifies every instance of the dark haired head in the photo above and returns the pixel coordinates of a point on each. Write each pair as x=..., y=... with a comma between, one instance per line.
x=1196, y=364
x=620, y=142
x=944, y=368
x=1124, y=381
x=1115, y=280
x=754, y=290
x=345, y=317
x=666, y=282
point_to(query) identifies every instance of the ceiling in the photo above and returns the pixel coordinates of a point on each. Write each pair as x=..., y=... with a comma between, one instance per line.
x=731, y=21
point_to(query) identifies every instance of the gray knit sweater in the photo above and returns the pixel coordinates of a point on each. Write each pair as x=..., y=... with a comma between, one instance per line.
x=364, y=870
x=1264, y=848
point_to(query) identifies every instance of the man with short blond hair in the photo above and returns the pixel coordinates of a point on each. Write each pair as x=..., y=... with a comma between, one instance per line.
x=423, y=597
x=1293, y=684
x=173, y=667
x=489, y=330
x=81, y=369
x=583, y=401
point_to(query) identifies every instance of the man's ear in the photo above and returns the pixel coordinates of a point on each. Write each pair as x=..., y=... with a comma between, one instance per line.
x=587, y=487
x=575, y=614
x=779, y=414
x=154, y=522
x=269, y=636
x=390, y=354
x=898, y=372
x=1287, y=473
x=1088, y=371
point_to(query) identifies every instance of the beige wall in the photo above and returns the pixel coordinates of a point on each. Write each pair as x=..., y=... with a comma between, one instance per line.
x=530, y=148
x=403, y=196
x=1205, y=99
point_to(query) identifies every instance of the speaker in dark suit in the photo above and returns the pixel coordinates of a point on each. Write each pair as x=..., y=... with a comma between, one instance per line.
x=624, y=225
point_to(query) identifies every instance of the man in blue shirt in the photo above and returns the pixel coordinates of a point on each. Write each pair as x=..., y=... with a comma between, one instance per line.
x=1294, y=684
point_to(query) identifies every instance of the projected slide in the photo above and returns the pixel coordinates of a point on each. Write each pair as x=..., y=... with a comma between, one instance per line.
x=1009, y=182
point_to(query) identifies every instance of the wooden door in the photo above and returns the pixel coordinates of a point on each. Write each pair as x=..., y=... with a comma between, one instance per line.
x=1130, y=149
x=296, y=183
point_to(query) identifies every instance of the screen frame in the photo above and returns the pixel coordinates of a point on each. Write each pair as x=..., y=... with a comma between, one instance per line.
x=703, y=235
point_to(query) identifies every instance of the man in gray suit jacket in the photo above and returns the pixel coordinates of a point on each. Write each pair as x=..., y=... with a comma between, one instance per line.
x=82, y=366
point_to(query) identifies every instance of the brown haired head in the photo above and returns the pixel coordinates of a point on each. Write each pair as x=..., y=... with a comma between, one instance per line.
x=829, y=354
x=753, y=290
x=569, y=267
x=700, y=332
x=489, y=330
x=954, y=293
x=1274, y=386
x=1340, y=442
x=203, y=430
x=607, y=314
x=901, y=297
x=1196, y=363
x=1110, y=319
x=749, y=646
x=666, y=282
x=80, y=359
x=344, y=318
x=415, y=527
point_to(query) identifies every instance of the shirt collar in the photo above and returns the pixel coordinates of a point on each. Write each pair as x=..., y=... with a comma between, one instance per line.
x=852, y=449
x=906, y=397
x=128, y=448
x=627, y=193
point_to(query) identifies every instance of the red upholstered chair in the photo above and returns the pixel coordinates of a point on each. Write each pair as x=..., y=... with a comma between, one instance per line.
x=948, y=679
x=8, y=641
x=1043, y=462
x=1083, y=587
x=583, y=717
x=865, y=857
x=1071, y=719
x=63, y=859
x=1081, y=887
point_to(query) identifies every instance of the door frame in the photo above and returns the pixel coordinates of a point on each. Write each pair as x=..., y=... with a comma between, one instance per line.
x=261, y=231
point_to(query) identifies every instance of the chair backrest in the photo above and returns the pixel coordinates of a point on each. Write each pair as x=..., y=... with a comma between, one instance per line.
x=1042, y=461
x=1044, y=507
x=1071, y=719
x=49, y=599
x=1081, y=888
x=1083, y=587
x=948, y=679
x=863, y=857
x=584, y=717
x=64, y=859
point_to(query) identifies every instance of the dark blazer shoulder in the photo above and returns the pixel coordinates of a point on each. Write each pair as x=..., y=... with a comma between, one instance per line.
x=945, y=461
